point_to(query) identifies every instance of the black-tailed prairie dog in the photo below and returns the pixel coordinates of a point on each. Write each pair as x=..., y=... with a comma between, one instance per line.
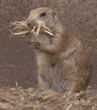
x=62, y=61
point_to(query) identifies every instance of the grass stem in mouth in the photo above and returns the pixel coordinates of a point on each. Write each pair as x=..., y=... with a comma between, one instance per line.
x=33, y=29
x=23, y=28
x=19, y=33
x=38, y=30
x=49, y=32
x=46, y=28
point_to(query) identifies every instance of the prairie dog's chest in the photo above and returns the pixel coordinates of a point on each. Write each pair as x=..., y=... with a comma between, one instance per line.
x=44, y=59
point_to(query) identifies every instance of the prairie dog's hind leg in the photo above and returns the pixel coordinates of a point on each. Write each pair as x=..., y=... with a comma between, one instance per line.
x=42, y=84
x=77, y=85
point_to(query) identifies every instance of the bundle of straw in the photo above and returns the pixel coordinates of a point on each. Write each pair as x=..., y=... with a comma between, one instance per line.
x=23, y=28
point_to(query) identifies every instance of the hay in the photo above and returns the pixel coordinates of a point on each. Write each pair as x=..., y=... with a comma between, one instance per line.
x=23, y=28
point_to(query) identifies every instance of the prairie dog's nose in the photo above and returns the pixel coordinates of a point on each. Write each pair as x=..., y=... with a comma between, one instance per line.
x=31, y=23
x=28, y=23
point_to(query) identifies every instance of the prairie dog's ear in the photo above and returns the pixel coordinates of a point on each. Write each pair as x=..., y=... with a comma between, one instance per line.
x=54, y=15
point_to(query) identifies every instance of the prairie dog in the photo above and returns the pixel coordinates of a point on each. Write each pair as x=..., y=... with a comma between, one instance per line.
x=62, y=60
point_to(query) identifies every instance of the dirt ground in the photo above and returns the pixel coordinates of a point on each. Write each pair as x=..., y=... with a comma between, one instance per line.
x=31, y=99
x=18, y=77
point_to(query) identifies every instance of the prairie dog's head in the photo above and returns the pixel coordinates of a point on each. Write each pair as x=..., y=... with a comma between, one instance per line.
x=45, y=16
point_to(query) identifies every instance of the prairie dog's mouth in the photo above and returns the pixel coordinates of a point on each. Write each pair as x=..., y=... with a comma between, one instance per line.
x=23, y=28
x=43, y=28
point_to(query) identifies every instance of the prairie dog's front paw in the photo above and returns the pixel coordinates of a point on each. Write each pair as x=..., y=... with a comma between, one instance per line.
x=42, y=39
x=36, y=45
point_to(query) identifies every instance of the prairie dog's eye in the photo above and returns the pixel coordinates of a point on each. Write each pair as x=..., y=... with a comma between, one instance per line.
x=43, y=14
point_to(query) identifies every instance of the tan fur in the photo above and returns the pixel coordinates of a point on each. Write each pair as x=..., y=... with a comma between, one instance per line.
x=62, y=60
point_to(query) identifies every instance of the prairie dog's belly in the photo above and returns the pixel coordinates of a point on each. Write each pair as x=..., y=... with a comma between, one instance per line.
x=53, y=73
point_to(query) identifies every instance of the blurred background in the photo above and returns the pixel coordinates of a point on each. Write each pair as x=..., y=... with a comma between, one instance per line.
x=17, y=61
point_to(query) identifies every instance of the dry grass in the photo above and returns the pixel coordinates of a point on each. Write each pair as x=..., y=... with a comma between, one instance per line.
x=23, y=28
x=31, y=99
